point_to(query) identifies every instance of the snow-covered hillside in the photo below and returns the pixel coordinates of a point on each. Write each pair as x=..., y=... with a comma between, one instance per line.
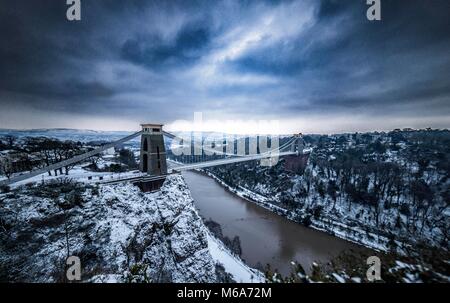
x=382, y=190
x=119, y=233
x=68, y=134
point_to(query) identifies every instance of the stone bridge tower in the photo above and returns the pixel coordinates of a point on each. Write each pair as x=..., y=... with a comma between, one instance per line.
x=299, y=144
x=153, y=151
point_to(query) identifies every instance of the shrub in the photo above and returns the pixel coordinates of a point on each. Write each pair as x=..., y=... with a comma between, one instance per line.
x=404, y=210
x=116, y=168
x=306, y=221
x=317, y=211
x=5, y=189
x=95, y=191
x=75, y=198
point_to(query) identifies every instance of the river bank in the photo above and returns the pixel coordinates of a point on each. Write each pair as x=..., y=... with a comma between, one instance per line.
x=352, y=234
x=266, y=237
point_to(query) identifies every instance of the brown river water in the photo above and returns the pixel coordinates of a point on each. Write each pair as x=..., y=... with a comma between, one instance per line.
x=266, y=238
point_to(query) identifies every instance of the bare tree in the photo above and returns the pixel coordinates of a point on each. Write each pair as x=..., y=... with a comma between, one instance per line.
x=6, y=166
x=69, y=149
x=43, y=147
x=52, y=151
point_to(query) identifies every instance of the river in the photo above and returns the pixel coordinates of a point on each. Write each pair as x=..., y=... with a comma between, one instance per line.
x=266, y=238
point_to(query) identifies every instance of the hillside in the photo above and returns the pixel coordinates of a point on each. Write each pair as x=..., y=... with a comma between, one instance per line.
x=119, y=233
x=383, y=190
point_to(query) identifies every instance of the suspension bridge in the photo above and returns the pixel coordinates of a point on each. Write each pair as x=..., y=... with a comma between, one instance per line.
x=153, y=159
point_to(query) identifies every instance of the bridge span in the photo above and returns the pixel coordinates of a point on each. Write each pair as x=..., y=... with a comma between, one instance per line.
x=70, y=161
x=153, y=157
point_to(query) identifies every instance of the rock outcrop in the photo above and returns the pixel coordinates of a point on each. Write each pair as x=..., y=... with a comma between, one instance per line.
x=119, y=233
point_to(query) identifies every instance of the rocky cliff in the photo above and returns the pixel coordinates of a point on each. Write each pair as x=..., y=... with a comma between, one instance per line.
x=119, y=233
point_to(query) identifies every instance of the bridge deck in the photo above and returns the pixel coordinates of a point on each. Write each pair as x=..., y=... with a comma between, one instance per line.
x=70, y=161
x=180, y=167
x=230, y=160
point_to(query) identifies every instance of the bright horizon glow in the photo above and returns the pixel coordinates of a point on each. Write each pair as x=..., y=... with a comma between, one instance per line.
x=314, y=124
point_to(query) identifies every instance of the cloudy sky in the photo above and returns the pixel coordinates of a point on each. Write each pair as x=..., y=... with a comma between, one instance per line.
x=315, y=66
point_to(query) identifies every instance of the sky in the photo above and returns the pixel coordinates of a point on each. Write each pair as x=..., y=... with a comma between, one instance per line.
x=308, y=66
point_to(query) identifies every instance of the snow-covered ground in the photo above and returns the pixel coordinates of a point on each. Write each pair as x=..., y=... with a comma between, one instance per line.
x=236, y=267
x=120, y=233
x=79, y=174
x=120, y=227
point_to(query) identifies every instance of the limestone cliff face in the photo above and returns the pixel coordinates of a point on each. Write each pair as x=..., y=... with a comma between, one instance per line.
x=119, y=233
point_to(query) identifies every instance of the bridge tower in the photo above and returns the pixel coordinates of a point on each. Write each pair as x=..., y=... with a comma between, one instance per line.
x=299, y=144
x=297, y=163
x=153, y=151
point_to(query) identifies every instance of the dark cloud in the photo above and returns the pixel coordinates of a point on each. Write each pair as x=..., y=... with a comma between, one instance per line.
x=152, y=51
x=162, y=60
x=406, y=56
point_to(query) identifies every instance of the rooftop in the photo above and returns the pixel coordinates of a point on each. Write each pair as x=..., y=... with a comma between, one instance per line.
x=152, y=125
